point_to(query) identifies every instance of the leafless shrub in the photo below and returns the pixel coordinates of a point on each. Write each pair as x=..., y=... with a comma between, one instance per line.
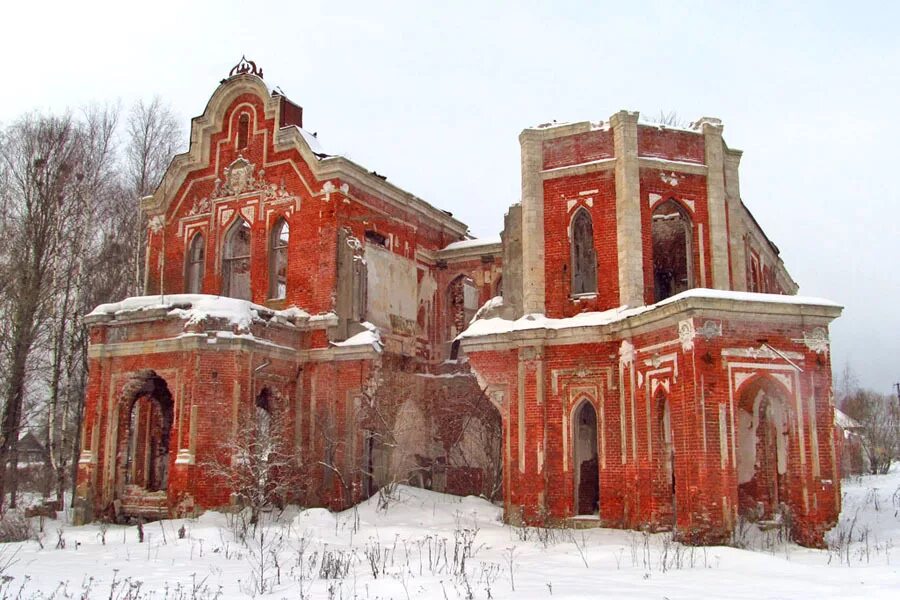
x=257, y=463
x=15, y=527
x=336, y=563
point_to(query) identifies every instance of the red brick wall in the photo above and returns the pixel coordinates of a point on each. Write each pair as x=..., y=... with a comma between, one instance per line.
x=578, y=148
x=557, y=252
x=634, y=488
x=670, y=144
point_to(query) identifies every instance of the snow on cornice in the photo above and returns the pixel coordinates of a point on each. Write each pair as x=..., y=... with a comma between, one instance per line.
x=496, y=325
x=370, y=336
x=196, y=308
x=473, y=243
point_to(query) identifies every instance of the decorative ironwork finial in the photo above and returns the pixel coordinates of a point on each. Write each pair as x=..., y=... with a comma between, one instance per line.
x=245, y=67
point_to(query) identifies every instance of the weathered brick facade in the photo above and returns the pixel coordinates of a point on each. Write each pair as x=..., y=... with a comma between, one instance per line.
x=627, y=376
x=689, y=408
x=345, y=329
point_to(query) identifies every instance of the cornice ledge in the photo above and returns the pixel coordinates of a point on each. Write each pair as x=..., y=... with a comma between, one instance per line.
x=674, y=311
x=339, y=353
x=679, y=166
x=472, y=252
x=551, y=131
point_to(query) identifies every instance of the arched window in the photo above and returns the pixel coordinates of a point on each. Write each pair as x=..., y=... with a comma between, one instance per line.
x=193, y=277
x=236, y=261
x=584, y=257
x=278, y=243
x=754, y=275
x=672, y=255
x=243, y=130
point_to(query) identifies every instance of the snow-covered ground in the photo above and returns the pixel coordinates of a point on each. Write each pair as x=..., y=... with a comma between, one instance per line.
x=420, y=544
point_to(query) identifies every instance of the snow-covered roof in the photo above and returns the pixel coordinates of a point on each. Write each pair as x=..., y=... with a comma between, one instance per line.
x=311, y=140
x=492, y=326
x=473, y=243
x=195, y=308
x=843, y=420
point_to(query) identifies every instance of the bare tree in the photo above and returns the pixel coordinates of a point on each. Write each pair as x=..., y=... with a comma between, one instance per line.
x=879, y=417
x=153, y=135
x=44, y=170
x=71, y=237
x=68, y=337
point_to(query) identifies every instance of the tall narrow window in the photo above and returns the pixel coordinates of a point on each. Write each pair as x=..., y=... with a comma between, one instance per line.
x=236, y=261
x=278, y=244
x=672, y=255
x=194, y=272
x=584, y=257
x=243, y=130
x=462, y=301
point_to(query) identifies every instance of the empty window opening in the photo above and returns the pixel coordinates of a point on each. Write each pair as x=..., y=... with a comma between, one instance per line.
x=278, y=258
x=236, y=261
x=587, y=472
x=462, y=301
x=195, y=264
x=584, y=256
x=243, y=131
x=672, y=255
x=376, y=238
x=763, y=427
x=263, y=442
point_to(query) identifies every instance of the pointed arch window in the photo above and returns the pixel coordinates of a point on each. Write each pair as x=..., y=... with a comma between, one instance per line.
x=672, y=235
x=278, y=258
x=584, y=256
x=236, y=261
x=195, y=263
x=243, y=130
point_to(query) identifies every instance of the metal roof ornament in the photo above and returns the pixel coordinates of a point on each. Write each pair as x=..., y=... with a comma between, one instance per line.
x=245, y=67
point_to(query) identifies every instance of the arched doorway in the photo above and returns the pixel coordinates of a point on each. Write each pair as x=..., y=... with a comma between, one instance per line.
x=763, y=448
x=145, y=426
x=587, y=473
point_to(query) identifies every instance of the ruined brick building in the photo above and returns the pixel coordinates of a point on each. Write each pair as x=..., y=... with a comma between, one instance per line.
x=639, y=357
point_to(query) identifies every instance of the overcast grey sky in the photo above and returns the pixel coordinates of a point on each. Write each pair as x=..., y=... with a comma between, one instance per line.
x=435, y=98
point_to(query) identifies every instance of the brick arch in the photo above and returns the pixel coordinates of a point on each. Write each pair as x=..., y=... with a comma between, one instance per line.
x=764, y=433
x=235, y=125
x=688, y=210
x=149, y=432
x=763, y=380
